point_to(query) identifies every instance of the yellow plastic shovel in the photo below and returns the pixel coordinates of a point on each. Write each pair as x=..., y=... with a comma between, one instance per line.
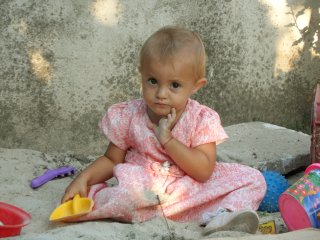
x=73, y=208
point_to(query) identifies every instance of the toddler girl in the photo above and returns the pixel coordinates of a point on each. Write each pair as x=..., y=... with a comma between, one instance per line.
x=165, y=145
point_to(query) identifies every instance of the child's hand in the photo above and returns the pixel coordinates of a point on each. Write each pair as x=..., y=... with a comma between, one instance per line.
x=78, y=186
x=163, y=131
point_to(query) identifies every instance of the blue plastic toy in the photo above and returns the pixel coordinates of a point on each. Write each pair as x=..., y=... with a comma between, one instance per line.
x=276, y=185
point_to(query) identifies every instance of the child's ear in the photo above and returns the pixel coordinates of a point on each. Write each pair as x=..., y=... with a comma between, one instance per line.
x=199, y=84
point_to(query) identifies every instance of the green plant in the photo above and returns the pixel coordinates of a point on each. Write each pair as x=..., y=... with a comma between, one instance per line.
x=256, y=119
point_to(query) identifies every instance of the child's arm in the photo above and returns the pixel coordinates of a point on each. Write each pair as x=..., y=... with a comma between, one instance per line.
x=197, y=162
x=99, y=171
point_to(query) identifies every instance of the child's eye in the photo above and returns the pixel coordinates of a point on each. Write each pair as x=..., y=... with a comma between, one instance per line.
x=152, y=81
x=175, y=85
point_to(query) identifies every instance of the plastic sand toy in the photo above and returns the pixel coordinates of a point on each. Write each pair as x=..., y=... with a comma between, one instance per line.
x=315, y=128
x=51, y=174
x=12, y=219
x=73, y=208
x=300, y=204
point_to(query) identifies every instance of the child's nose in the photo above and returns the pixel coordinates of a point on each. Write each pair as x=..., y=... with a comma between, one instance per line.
x=162, y=92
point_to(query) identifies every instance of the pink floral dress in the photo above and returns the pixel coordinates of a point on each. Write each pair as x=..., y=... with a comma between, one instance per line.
x=148, y=171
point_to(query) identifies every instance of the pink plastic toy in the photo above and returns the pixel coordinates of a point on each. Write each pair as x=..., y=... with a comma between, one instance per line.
x=300, y=204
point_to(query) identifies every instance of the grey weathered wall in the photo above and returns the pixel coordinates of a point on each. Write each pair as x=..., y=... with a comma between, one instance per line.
x=64, y=63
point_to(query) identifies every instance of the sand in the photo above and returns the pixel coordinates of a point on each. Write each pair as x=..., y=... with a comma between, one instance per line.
x=18, y=167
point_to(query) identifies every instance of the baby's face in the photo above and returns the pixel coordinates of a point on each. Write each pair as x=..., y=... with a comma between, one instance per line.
x=167, y=85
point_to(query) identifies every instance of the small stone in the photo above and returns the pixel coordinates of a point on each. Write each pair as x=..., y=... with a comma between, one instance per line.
x=132, y=235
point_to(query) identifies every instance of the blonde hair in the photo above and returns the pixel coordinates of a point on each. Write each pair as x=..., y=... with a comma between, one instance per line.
x=166, y=43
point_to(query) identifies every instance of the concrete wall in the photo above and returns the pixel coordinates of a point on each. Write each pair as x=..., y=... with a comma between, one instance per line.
x=64, y=63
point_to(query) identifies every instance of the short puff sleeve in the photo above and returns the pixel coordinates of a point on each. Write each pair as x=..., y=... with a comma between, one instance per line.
x=208, y=128
x=115, y=125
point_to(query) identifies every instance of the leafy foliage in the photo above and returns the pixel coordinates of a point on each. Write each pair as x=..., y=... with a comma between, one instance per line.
x=307, y=33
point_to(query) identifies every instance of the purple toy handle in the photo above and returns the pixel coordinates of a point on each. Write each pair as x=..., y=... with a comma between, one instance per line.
x=51, y=174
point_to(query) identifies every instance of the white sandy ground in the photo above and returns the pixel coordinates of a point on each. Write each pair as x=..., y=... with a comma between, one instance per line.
x=19, y=166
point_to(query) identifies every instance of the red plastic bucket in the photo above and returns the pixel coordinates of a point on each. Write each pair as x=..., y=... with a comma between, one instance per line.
x=300, y=204
x=13, y=220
